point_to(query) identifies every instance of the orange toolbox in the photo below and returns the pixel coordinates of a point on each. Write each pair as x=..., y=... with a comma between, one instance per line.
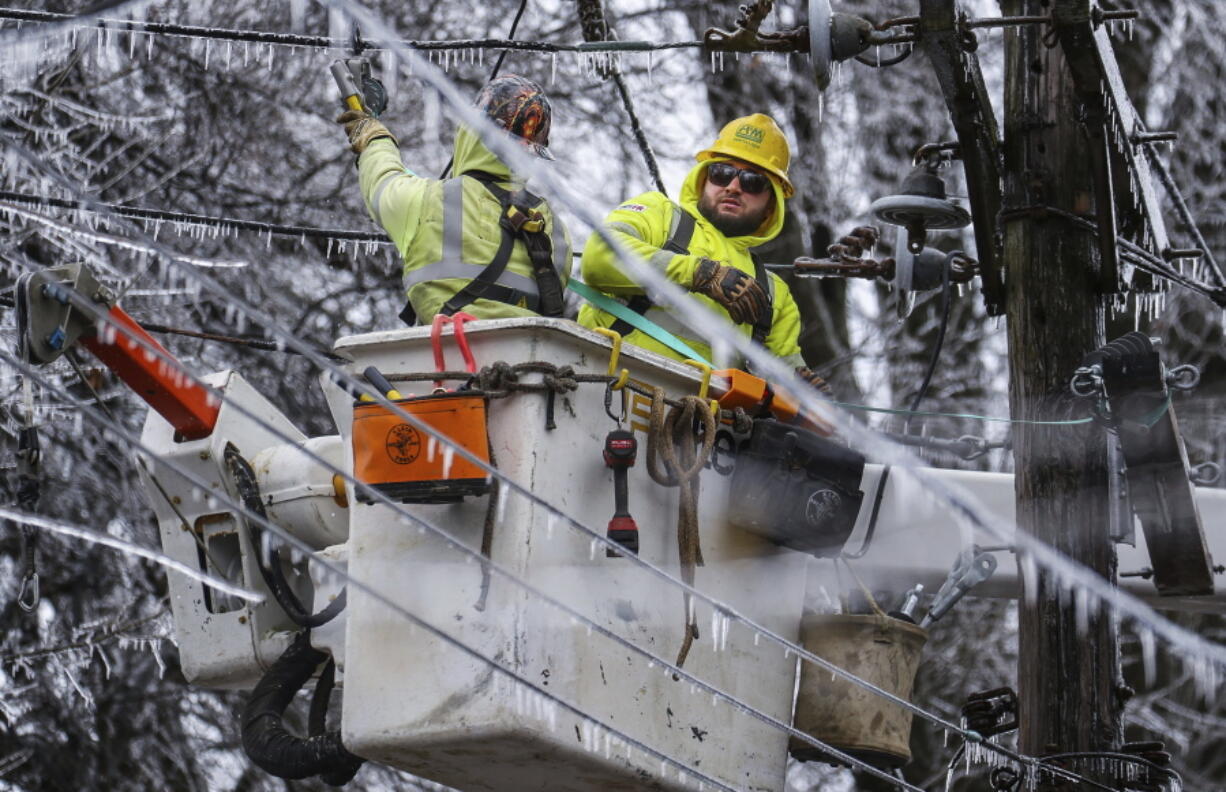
x=411, y=462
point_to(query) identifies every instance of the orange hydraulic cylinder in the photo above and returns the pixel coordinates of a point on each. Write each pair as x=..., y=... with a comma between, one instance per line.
x=744, y=390
x=157, y=377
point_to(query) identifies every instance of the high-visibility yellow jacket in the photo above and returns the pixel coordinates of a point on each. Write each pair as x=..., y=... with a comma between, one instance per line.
x=447, y=231
x=644, y=224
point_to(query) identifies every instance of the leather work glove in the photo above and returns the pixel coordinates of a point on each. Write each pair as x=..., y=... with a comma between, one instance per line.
x=362, y=128
x=817, y=383
x=738, y=292
x=859, y=241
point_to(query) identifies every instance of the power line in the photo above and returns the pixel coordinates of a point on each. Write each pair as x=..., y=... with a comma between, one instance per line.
x=327, y=42
x=208, y=221
x=1136, y=254
x=1181, y=208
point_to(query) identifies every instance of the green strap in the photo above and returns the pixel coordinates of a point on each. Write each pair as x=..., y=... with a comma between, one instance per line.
x=637, y=320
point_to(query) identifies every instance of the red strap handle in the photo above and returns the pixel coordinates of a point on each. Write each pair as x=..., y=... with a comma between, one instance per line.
x=436, y=341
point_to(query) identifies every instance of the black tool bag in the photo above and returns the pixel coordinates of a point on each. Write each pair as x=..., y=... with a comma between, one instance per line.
x=796, y=489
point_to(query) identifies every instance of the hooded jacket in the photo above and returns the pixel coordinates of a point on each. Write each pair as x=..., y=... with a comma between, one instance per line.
x=643, y=224
x=448, y=231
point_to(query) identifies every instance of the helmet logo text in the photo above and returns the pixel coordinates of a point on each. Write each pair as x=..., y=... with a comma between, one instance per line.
x=750, y=134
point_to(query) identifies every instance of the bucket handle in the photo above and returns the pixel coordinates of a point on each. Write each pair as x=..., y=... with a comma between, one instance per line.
x=436, y=341
x=883, y=621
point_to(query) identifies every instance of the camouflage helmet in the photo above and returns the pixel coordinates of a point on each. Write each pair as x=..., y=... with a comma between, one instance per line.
x=519, y=106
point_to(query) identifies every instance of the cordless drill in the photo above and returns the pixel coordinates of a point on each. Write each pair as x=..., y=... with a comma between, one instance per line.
x=620, y=449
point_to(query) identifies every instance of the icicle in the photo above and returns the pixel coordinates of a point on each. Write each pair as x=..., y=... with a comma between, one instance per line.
x=208, y=51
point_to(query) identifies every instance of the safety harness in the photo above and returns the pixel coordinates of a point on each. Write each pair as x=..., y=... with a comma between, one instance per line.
x=520, y=221
x=679, y=242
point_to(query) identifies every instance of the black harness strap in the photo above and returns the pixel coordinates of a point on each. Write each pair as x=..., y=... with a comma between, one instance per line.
x=518, y=215
x=679, y=243
x=763, y=327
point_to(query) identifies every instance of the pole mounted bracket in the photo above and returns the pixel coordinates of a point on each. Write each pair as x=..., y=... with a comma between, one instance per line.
x=942, y=38
x=1135, y=404
x=51, y=323
x=1125, y=193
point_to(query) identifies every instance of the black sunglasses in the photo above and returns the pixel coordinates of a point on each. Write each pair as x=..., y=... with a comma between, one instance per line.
x=721, y=174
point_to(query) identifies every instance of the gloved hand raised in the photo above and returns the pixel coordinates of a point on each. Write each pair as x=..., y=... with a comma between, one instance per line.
x=818, y=384
x=735, y=290
x=362, y=128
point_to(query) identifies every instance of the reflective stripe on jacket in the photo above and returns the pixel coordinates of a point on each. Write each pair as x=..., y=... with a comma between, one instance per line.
x=643, y=224
x=448, y=231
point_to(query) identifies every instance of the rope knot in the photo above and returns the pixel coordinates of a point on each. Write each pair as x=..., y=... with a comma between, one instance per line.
x=497, y=379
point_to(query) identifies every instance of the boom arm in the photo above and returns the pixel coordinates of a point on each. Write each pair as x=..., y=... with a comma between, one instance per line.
x=63, y=305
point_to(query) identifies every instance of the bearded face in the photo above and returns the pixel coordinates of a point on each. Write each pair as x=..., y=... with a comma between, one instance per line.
x=733, y=211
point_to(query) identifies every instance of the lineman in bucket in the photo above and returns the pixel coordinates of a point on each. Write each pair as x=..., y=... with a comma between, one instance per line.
x=731, y=201
x=477, y=242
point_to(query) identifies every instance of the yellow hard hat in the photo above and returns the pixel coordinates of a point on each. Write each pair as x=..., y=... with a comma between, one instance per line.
x=758, y=140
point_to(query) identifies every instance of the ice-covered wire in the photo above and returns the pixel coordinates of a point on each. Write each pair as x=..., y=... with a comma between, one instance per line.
x=1181, y=208
x=205, y=221
x=124, y=546
x=116, y=241
x=327, y=42
x=109, y=632
x=1068, y=569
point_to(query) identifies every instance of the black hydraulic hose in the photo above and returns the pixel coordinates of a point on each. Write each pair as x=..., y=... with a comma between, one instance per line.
x=946, y=303
x=317, y=722
x=270, y=745
x=272, y=573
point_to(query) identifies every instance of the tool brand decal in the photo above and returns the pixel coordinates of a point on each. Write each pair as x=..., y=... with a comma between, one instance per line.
x=403, y=444
x=822, y=506
x=750, y=134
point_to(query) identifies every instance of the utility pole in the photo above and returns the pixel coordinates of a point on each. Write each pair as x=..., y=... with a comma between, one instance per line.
x=1068, y=666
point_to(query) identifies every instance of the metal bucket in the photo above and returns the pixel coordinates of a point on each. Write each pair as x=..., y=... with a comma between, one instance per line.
x=877, y=649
